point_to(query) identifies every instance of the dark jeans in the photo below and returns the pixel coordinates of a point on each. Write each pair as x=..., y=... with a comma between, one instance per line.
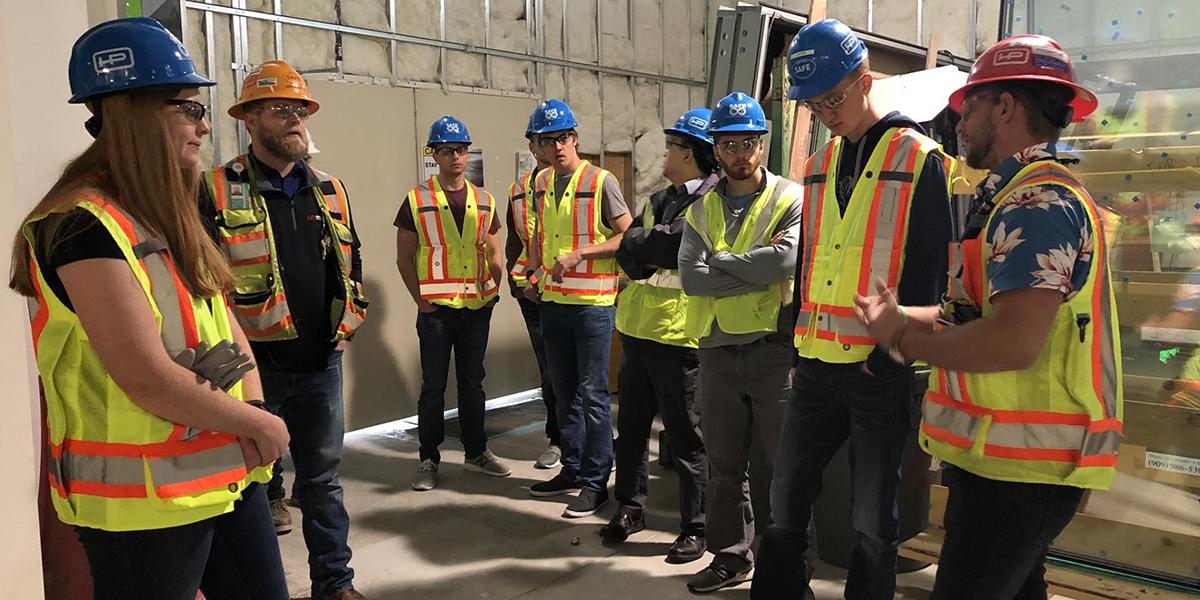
x=997, y=537
x=231, y=557
x=465, y=333
x=742, y=392
x=578, y=341
x=830, y=402
x=655, y=378
x=532, y=313
x=311, y=405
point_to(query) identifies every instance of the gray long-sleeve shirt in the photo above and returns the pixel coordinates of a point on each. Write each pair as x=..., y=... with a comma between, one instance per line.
x=724, y=274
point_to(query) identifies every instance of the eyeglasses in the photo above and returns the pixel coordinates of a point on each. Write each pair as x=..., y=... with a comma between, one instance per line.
x=833, y=102
x=192, y=110
x=451, y=150
x=677, y=145
x=284, y=112
x=553, y=142
x=733, y=147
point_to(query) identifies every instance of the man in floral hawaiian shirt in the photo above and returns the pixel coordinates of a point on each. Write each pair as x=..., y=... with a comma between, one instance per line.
x=1024, y=404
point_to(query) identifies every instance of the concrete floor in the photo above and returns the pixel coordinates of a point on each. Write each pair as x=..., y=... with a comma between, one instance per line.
x=477, y=536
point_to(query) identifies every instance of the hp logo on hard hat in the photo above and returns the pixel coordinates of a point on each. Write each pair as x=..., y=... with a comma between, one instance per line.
x=738, y=110
x=849, y=44
x=452, y=127
x=551, y=113
x=115, y=59
x=697, y=122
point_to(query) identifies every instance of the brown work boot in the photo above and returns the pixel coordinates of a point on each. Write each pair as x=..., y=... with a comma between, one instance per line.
x=281, y=516
x=349, y=594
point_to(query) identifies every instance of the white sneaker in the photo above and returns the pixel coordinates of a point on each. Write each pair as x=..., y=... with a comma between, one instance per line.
x=426, y=477
x=488, y=464
x=549, y=459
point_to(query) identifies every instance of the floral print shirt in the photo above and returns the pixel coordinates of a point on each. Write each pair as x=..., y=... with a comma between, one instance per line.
x=1041, y=238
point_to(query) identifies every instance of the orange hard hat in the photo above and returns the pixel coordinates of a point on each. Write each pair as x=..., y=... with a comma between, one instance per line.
x=273, y=79
x=1027, y=57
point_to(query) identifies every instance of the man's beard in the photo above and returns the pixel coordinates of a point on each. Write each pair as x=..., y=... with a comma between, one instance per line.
x=979, y=149
x=737, y=174
x=284, y=146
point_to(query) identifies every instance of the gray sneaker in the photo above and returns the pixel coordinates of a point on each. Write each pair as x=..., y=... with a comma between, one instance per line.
x=488, y=464
x=426, y=477
x=549, y=459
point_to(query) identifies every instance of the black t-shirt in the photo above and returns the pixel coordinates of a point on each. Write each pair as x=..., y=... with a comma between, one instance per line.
x=81, y=236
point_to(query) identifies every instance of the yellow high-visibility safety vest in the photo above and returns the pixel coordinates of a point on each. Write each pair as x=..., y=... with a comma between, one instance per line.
x=259, y=302
x=452, y=266
x=745, y=313
x=569, y=225
x=523, y=199
x=114, y=466
x=844, y=254
x=655, y=309
x=1059, y=421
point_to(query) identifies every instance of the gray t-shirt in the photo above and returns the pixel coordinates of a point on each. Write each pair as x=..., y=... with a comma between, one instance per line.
x=723, y=274
x=612, y=202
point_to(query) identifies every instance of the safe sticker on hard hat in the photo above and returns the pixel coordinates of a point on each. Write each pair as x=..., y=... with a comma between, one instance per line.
x=804, y=69
x=452, y=127
x=268, y=82
x=738, y=110
x=115, y=59
x=697, y=122
x=551, y=113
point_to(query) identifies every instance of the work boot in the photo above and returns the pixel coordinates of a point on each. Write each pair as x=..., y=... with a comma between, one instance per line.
x=549, y=459
x=350, y=594
x=686, y=548
x=426, y=477
x=488, y=464
x=626, y=522
x=281, y=516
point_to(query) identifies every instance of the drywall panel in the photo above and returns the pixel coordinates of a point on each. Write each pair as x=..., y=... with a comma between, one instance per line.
x=949, y=19
x=371, y=137
x=987, y=25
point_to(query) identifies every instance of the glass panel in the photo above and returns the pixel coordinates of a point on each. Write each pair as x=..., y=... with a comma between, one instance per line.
x=1140, y=159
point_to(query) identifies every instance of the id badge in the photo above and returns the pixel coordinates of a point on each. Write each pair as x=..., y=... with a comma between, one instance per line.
x=237, y=197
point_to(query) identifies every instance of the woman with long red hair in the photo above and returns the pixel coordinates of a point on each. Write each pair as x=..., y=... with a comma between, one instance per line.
x=157, y=450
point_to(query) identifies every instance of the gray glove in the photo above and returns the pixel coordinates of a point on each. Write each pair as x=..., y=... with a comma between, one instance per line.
x=222, y=365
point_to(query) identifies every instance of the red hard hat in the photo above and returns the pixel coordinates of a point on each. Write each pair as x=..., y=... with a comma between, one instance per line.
x=1027, y=57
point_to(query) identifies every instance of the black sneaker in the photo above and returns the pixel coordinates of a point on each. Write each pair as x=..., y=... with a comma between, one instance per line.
x=586, y=503
x=715, y=577
x=555, y=487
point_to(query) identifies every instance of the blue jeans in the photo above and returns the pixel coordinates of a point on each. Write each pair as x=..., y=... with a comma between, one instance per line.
x=311, y=405
x=532, y=313
x=578, y=340
x=829, y=403
x=465, y=333
x=231, y=557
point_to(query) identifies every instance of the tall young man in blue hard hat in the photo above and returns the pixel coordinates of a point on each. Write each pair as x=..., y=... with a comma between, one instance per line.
x=523, y=199
x=876, y=181
x=289, y=235
x=449, y=255
x=736, y=261
x=1025, y=401
x=657, y=374
x=573, y=274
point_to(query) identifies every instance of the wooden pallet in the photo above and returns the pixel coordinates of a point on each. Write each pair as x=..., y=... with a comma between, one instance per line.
x=1075, y=584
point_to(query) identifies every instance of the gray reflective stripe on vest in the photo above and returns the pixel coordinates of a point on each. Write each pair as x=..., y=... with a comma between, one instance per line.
x=429, y=215
x=700, y=217
x=583, y=218
x=152, y=253
x=953, y=386
x=113, y=470
x=261, y=321
x=846, y=326
x=890, y=183
x=958, y=289
x=179, y=469
x=246, y=250
x=1030, y=436
x=665, y=279
x=767, y=214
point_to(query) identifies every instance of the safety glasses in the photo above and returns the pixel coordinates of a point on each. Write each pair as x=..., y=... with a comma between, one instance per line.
x=733, y=147
x=284, y=112
x=446, y=151
x=192, y=110
x=553, y=142
x=834, y=101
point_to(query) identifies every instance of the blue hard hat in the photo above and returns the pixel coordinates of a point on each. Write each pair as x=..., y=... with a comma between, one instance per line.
x=693, y=124
x=820, y=57
x=738, y=113
x=529, y=126
x=551, y=115
x=448, y=130
x=128, y=54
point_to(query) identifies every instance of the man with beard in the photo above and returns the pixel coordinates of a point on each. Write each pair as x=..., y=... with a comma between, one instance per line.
x=1025, y=400
x=287, y=231
x=876, y=181
x=448, y=253
x=736, y=262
